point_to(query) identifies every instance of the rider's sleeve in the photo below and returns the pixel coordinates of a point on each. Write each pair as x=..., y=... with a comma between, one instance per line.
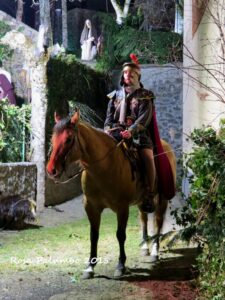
x=144, y=116
x=109, y=115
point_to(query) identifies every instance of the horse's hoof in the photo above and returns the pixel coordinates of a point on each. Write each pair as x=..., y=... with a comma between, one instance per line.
x=153, y=258
x=145, y=252
x=119, y=273
x=87, y=275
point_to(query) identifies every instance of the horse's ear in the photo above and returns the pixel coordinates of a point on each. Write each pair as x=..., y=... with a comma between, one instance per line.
x=75, y=118
x=57, y=117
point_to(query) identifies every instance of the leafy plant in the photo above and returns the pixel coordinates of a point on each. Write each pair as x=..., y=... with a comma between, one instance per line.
x=71, y=81
x=204, y=213
x=134, y=18
x=14, y=132
x=150, y=47
x=5, y=51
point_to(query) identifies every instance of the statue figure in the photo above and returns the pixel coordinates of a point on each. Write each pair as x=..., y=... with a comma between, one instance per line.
x=88, y=42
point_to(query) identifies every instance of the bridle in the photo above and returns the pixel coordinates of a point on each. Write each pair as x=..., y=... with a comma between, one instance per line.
x=83, y=168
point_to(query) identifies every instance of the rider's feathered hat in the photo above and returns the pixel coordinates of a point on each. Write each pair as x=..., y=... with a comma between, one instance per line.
x=134, y=65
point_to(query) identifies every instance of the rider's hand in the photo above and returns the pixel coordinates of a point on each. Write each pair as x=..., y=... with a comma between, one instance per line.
x=126, y=134
x=107, y=129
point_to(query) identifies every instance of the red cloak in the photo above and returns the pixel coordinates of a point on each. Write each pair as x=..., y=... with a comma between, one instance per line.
x=164, y=171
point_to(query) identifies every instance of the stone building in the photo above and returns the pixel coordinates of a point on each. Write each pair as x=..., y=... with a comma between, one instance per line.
x=203, y=66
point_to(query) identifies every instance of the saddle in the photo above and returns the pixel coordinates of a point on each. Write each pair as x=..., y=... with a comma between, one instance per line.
x=129, y=150
x=165, y=178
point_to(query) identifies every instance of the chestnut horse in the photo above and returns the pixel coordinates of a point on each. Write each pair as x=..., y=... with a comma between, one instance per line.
x=107, y=182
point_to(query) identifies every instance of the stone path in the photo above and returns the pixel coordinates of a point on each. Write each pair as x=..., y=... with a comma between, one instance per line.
x=63, y=213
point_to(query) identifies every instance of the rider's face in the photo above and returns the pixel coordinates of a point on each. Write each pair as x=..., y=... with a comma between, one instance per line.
x=130, y=76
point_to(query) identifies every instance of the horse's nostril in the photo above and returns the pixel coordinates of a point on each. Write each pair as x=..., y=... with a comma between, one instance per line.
x=54, y=172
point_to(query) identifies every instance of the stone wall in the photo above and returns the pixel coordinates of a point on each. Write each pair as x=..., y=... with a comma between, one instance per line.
x=17, y=64
x=56, y=193
x=18, y=179
x=166, y=82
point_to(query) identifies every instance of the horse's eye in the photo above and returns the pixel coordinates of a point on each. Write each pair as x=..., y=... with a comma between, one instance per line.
x=68, y=140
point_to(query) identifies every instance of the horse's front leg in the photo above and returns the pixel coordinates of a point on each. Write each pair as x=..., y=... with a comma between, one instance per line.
x=144, y=223
x=94, y=216
x=122, y=218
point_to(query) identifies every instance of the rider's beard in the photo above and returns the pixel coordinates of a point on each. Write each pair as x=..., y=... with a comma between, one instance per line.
x=130, y=88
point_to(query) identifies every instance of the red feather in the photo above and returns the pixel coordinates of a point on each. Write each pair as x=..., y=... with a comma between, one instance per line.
x=134, y=58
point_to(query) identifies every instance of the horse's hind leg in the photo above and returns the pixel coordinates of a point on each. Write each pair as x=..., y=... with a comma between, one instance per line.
x=94, y=216
x=144, y=224
x=122, y=218
x=161, y=207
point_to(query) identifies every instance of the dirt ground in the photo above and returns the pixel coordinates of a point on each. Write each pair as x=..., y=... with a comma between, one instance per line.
x=169, y=279
x=138, y=283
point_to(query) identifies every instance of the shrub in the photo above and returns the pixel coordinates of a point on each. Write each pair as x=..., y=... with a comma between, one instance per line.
x=14, y=132
x=204, y=213
x=5, y=51
x=71, y=83
x=150, y=47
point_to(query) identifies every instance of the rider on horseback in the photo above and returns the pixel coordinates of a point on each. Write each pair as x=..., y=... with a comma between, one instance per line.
x=134, y=102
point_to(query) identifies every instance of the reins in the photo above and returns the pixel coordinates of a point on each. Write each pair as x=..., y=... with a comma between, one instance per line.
x=93, y=163
x=78, y=172
x=102, y=158
x=83, y=168
x=70, y=178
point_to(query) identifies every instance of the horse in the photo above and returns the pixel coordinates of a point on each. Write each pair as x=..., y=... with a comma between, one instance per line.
x=106, y=181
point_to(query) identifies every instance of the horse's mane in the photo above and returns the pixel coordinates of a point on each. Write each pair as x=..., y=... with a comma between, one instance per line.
x=99, y=131
x=65, y=123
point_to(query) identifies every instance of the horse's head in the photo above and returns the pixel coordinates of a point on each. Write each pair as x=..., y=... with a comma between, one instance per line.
x=63, y=143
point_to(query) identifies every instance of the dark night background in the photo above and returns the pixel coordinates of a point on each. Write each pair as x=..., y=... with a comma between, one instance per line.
x=9, y=6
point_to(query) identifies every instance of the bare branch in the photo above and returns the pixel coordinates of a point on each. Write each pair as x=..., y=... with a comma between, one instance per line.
x=204, y=68
x=196, y=80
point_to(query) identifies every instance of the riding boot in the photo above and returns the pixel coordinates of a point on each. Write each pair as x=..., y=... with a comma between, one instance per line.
x=148, y=205
x=150, y=176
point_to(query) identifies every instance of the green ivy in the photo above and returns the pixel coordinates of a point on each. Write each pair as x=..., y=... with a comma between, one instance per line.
x=71, y=81
x=204, y=213
x=14, y=132
x=5, y=51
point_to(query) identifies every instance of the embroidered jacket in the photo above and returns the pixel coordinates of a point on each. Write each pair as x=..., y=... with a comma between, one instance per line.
x=139, y=108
